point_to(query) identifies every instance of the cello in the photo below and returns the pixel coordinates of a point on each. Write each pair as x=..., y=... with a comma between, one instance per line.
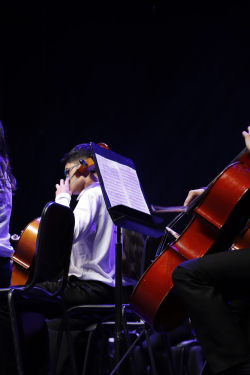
x=219, y=216
x=23, y=258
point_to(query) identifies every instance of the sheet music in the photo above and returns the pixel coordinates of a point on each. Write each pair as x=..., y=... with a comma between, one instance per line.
x=121, y=184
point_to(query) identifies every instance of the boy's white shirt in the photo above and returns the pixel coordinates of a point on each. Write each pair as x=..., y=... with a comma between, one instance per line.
x=93, y=250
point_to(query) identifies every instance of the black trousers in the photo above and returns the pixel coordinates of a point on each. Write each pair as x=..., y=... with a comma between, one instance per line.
x=215, y=291
x=80, y=292
x=35, y=353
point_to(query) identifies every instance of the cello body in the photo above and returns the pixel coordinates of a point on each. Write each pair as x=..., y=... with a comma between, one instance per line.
x=217, y=221
x=243, y=241
x=23, y=259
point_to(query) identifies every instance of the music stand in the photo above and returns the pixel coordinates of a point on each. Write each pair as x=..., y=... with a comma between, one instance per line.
x=120, y=184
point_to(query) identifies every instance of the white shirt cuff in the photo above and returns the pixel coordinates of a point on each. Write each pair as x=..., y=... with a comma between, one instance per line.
x=64, y=199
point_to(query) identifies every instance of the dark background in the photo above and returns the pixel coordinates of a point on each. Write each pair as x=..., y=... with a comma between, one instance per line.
x=164, y=83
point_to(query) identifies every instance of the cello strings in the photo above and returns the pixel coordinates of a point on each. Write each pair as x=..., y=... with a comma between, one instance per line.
x=163, y=242
x=176, y=219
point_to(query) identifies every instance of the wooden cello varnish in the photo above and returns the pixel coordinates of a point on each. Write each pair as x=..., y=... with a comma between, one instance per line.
x=23, y=258
x=243, y=241
x=218, y=220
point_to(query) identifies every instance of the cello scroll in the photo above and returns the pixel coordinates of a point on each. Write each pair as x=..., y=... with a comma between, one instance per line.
x=86, y=166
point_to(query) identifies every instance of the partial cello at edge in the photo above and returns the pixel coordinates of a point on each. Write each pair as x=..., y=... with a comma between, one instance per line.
x=23, y=258
x=217, y=220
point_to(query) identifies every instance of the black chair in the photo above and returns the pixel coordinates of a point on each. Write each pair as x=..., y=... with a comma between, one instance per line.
x=52, y=256
x=132, y=326
x=103, y=326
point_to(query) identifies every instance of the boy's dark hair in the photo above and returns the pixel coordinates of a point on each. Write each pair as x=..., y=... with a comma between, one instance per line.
x=81, y=151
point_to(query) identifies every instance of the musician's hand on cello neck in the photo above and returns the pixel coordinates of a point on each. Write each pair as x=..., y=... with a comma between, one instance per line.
x=63, y=187
x=195, y=193
x=192, y=195
x=246, y=135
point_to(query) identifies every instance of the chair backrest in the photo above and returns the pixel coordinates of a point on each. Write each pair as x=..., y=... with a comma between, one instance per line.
x=53, y=244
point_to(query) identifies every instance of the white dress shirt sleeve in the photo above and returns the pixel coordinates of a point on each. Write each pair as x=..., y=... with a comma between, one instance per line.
x=86, y=213
x=63, y=199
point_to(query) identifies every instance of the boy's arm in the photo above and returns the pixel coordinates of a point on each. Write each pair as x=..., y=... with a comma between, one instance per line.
x=86, y=211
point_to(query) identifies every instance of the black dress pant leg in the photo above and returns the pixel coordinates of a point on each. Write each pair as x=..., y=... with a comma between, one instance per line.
x=206, y=286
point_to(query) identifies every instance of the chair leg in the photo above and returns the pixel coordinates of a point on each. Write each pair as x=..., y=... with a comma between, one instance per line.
x=57, y=348
x=87, y=368
x=64, y=325
x=169, y=355
x=181, y=361
x=103, y=364
x=124, y=356
x=128, y=343
x=150, y=352
x=70, y=346
x=15, y=333
x=205, y=369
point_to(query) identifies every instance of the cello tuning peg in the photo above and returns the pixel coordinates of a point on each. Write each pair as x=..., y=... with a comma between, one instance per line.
x=15, y=237
x=83, y=162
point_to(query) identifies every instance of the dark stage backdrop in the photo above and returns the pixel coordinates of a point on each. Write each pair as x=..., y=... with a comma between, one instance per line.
x=166, y=84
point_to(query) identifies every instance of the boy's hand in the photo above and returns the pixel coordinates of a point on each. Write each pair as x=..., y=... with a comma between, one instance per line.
x=63, y=187
x=246, y=135
x=192, y=195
